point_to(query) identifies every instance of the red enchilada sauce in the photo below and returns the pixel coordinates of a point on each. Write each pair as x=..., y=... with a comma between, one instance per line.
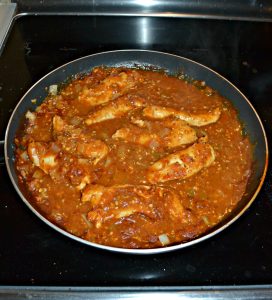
x=134, y=158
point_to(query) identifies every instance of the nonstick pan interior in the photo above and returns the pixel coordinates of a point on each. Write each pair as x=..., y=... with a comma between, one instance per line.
x=173, y=65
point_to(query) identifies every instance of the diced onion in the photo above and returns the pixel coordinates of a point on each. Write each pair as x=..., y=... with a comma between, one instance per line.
x=75, y=120
x=87, y=221
x=121, y=152
x=154, y=144
x=55, y=148
x=83, y=161
x=30, y=116
x=107, y=162
x=164, y=239
x=125, y=213
x=24, y=156
x=38, y=174
x=53, y=89
x=34, y=157
x=164, y=132
x=206, y=220
x=49, y=160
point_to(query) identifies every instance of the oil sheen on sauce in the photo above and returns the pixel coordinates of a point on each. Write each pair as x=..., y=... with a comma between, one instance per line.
x=134, y=158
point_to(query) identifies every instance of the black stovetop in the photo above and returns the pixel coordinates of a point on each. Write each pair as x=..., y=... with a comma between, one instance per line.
x=31, y=253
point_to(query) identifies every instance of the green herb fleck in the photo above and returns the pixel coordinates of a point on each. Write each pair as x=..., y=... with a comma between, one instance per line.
x=22, y=147
x=191, y=193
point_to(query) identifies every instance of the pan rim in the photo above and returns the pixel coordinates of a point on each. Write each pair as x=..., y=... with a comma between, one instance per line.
x=129, y=250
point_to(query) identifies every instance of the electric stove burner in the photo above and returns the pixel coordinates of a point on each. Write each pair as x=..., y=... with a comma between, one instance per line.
x=31, y=253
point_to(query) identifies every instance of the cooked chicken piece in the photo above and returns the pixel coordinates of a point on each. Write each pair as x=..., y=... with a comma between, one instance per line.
x=46, y=158
x=115, y=109
x=160, y=112
x=180, y=133
x=93, y=193
x=58, y=124
x=95, y=150
x=80, y=173
x=172, y=133
x=181, y=164
x=60, y=127
x=73, y=141
x=84, y=181
x=121, y=201
x=42, y=156
x=140, y=123
x=138, y=136
x=112, y=87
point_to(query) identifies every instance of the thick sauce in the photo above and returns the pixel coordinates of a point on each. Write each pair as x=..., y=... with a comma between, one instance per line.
x=134, y=158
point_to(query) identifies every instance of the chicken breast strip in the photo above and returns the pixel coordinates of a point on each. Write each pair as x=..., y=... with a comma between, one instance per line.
x=181, y=164
x=173, y=133
x=112, y=87
x=73, y=141
x=138, y=136
x=115, y=109
x=180, y=133
x=45, y=157
x=121, y=201
x=42, y=156
x=160, y=112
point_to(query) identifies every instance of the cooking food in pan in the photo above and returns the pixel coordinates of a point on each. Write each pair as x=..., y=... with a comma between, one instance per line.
x=134, y=158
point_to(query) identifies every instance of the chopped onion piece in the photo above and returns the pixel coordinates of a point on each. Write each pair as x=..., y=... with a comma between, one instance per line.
x=49, y=160
x=34, y=157
x=121, y=152
x=164, y=132
x=53, y=89
x=24, y=156
x=30, y=116
x=164, y=239
x=87, y=221
x=55, y=148
x=75, y=120
x=38, y=174
x=154, y=144
x=83, y=161
x=107, y=162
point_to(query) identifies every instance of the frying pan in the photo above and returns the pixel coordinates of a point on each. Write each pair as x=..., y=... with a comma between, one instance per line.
x=173, y=65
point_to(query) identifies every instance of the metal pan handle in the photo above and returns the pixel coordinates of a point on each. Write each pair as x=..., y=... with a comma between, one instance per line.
x=2, y=156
